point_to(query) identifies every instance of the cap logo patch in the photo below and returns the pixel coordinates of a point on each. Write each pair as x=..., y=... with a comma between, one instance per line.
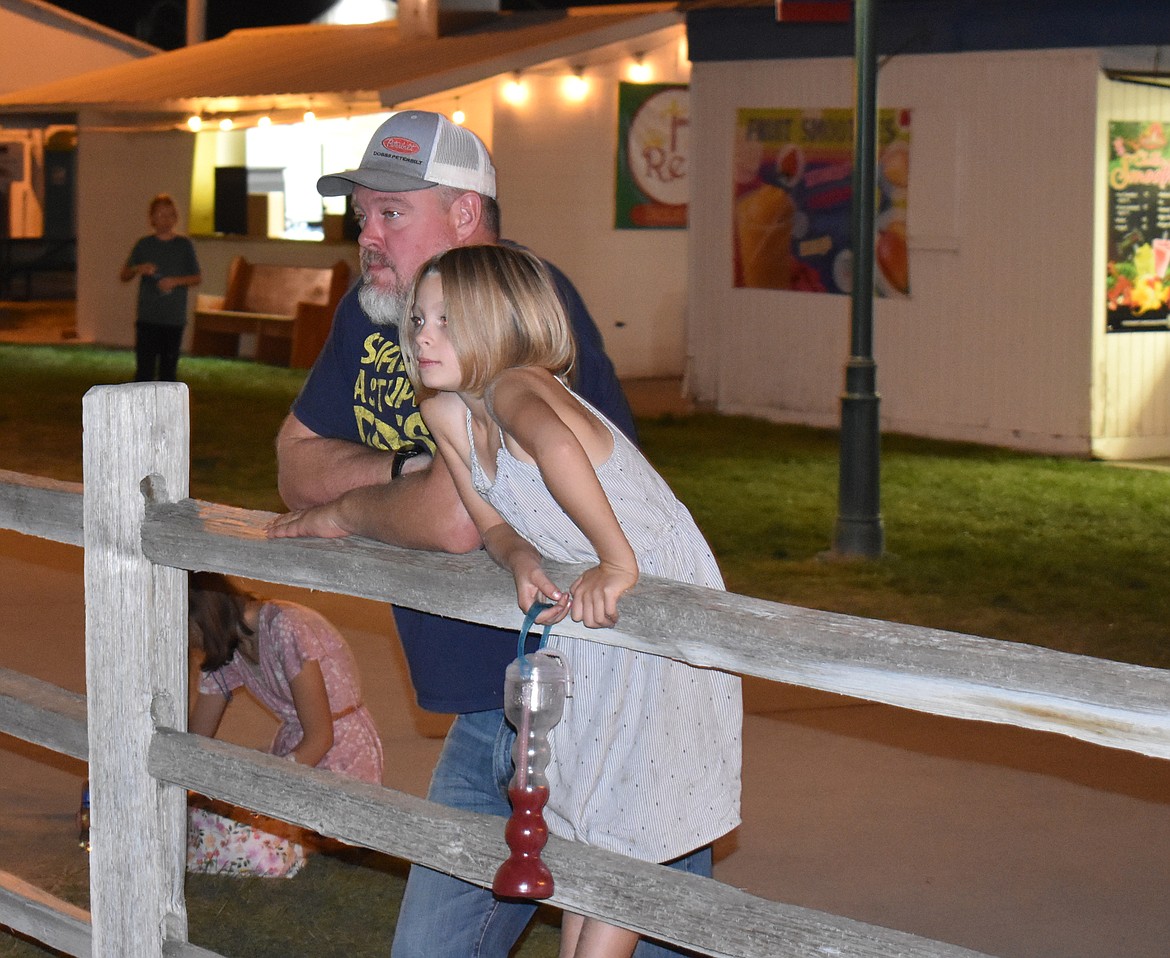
x=400, y=144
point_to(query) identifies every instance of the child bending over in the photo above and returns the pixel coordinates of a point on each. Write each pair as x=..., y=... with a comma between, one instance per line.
x=299, y=667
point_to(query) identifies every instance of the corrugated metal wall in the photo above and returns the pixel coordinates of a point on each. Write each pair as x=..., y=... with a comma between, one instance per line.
x=1131, y=382
x=994, y=344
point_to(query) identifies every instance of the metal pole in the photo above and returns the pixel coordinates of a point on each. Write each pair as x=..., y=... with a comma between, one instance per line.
x=196, y=21
x=859, y=525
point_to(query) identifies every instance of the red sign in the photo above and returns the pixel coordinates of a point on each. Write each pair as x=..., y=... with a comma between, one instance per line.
x=813, y=11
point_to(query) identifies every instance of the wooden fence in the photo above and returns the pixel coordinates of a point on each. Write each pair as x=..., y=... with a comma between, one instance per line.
x=140, y=531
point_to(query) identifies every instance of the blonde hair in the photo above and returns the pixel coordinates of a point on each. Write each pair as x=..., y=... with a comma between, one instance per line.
x=502, y=311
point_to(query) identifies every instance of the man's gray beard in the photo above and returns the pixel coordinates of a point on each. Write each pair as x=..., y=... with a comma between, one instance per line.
x=384, y=307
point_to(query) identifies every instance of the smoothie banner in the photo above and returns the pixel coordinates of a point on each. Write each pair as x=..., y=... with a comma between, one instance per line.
x=1137, y=296
x=792, y=200
x=653, y=126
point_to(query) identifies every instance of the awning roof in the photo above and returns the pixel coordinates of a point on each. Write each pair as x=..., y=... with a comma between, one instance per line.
x=59, y=19
x=336, y=68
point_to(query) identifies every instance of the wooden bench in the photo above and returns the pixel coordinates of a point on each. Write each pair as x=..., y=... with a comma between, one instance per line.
x=27, y=256
x=287, y=308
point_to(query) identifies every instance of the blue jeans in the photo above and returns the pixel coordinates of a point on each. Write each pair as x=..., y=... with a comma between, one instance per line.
x=444, y=917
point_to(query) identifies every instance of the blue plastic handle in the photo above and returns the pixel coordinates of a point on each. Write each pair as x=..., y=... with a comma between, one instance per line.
x=529, y=621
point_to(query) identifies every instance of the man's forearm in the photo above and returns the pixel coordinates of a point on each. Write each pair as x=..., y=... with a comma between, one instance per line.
x=404, y=513
x=337, y=487
x=313, y=472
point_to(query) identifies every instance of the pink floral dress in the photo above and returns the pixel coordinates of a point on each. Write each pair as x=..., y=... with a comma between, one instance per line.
x=288, y=636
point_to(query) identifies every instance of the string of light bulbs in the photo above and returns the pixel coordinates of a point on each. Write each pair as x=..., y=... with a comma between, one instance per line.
x=575, y=87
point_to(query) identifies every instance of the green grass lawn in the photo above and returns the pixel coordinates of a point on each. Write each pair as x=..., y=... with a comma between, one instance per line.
x=236, y=408
x=1062, y=553
x=1056, y=552
x=1066, y=554
x=341, y=905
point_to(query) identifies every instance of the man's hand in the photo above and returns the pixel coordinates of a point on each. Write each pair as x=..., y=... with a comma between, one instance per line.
x=342, y=488
x=319, y=522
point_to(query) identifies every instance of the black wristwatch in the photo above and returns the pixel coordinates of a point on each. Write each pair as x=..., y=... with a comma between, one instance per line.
x=400, y=457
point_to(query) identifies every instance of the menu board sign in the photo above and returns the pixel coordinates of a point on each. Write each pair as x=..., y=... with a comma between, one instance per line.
x=1137, y=296
x=793, y=197
x=653, y=145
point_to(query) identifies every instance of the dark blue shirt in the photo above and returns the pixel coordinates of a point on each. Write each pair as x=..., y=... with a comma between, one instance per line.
x=173, y=257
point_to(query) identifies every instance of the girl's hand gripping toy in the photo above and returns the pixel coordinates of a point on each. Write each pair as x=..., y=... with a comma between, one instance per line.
x=535, y=688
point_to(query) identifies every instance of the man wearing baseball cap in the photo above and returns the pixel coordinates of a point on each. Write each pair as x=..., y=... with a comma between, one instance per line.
x=355, y=459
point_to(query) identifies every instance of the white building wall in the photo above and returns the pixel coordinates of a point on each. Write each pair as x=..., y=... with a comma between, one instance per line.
x=114, y=188
x=1131, y=382
x=994, y=343
x=556, y=163
x=114, y=191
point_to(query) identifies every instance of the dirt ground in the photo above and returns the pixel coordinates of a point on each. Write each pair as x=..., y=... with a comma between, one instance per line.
x=1012, y=843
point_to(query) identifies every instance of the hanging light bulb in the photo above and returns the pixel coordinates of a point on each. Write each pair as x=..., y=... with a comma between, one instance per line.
x=226, y=124
x=640, y=71
x=458, y=117
x=516, y=90
x=575, y=87
x=264, y=121
x=309, y=117
x=194, y=123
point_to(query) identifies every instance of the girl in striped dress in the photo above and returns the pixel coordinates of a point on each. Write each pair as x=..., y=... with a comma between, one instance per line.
x=646, y=760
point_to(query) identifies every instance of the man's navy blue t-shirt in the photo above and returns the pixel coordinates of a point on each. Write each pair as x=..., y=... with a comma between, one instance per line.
x=358, y=390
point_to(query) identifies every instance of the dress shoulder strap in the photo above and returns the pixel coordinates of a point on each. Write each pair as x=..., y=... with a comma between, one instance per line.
x=471, y=436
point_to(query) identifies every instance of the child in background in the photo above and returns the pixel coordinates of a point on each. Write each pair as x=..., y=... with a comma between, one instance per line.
x=646, y=760
x=299, y=667
x=166, y=266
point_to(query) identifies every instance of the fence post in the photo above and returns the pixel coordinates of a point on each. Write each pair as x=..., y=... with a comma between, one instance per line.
x=135, y=666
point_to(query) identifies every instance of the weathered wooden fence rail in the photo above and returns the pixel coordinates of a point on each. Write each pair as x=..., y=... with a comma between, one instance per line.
x=140, y=531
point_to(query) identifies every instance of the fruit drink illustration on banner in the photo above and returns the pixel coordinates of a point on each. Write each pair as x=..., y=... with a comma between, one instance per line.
x=1137, y=282
x=793, y=192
